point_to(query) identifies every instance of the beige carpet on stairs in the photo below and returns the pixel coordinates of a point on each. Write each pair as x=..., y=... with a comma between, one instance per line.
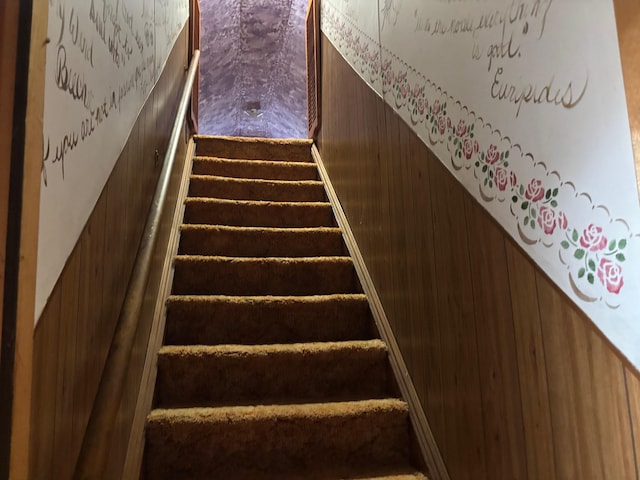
x=271, y=366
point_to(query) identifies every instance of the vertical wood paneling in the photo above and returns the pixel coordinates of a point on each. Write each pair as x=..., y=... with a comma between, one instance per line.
x=74, y=333
x=633, y=391
x=589, y=410
x=499, y=378
x=514, y=380
x=532, y=368
x=43, y=416
x=463, y=445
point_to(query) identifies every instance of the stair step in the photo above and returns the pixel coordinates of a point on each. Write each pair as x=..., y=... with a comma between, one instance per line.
x=252, y=189
x=247, y=148
x=278, y=440
x=266, y=374
x=259, y=169
x=245, y=213
x=261, y=242
x=214, y=320
x=202, y=275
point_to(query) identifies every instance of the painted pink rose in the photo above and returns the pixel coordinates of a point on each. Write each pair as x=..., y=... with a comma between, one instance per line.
x=503, y=178
x=493, y=155
x=436, y=107
x=442, y=125
x=422, y=105
x=416, y=90
x=461, y=129
x=610, y=274
x=535, y=191
x=404, y=90
x=549, y=220
x=593, y=239
x=467, y=148
x=388, y=77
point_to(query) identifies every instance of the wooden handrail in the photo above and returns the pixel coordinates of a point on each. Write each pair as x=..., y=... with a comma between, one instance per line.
x=96, y=443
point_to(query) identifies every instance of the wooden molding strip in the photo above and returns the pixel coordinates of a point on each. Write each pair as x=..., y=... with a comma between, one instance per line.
x=426, y=441
x=135, y=448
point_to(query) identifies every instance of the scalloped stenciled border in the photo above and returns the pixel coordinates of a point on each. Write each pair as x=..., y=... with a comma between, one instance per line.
x=521, y=188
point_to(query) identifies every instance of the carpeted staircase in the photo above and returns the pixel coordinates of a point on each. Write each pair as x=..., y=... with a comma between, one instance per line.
x=271, y=366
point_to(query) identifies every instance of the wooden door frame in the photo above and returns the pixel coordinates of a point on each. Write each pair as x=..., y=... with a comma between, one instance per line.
x=23, y=34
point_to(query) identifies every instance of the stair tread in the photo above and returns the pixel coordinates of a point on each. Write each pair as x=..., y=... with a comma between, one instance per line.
x=246, y=414
x=278, y=260
x=260, y=181
x=265, y=298
x=266, y=349
x=253, y=202
x=272, y=230
x=258, y=169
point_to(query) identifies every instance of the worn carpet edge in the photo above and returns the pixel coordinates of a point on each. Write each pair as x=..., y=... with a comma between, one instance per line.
x=293, y=150
x=211, y=186
x=258, y=169
x=247, y=414
x=263, y=242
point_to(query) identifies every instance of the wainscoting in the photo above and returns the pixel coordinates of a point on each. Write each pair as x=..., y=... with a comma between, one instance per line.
x=515, y=381
x=74, y=333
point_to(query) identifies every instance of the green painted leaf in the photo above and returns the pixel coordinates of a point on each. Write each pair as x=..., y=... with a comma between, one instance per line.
x=548, y=195
x=455, y=141
x=477, y=164
x=506, y=154
x=485, y=168
x=506, y=164
x=592, y=265
x=486, y=180
x=490, y=173
x=555, y=192
x=581, y=273
x=502, y=156
x=534, y=213
x=532, y=225
x=449, y=137
x=612, y=245
x=622, y=245
x=591, y=279
x=490, y=183
x=525, y=205
x=620, y=257
x=579, y=254
x=564, y=244
x=482, y=156
x=521, y=189
x=554, y=204
x=574, y=235
x=459, y=154
x=471, y=135
x=514, y=199
x=526, y=220
x=473, y=126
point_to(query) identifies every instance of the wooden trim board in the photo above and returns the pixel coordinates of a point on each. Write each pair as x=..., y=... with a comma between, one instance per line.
x=424, y=436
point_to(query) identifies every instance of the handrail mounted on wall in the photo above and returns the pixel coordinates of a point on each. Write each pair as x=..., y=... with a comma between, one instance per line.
x=96, y=443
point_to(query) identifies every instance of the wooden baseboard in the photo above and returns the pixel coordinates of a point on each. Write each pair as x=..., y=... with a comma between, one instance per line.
x=135, y=448
x=424, y=436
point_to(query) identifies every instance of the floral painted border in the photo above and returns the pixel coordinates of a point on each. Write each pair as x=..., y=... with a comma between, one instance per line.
x=593, y=252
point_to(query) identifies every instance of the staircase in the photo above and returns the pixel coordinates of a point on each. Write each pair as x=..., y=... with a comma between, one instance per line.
x=271, y=366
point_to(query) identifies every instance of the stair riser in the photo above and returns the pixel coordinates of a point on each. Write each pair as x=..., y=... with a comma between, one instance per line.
x=295, y=375
x=245, y=148
x=258, y=215
x=255, y=190
x=267, y=322
x=255, y=169
x=260, y=243
x=261, y=277
x=241, y=449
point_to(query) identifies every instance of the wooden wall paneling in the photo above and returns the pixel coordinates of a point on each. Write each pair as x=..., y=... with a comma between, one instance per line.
x=588, y=402
x=66, y=444
x=498, y=362
x=45, y=362
x=463, y=446
x=532, y=367
x=633, y=391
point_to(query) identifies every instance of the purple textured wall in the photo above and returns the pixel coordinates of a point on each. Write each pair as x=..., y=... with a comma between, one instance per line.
x=253, y=68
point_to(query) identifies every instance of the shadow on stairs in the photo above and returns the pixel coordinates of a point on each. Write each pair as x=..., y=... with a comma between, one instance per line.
x=271, y=367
